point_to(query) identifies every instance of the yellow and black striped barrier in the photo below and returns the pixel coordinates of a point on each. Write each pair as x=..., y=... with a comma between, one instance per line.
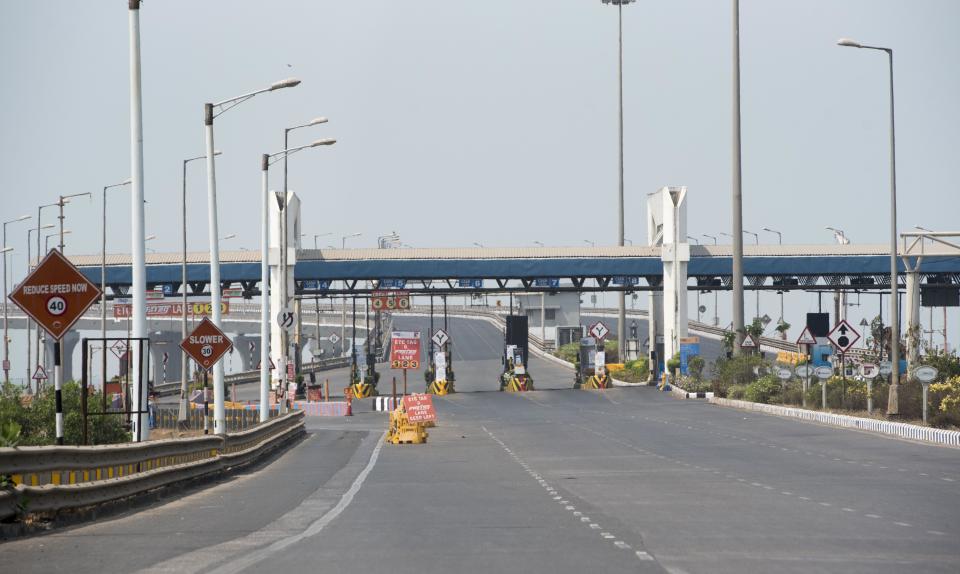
x=440, y=388
x=363, y=390
x=596, y=382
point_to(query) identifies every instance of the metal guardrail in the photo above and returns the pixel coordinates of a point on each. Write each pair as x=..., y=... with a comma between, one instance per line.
x=52, y=479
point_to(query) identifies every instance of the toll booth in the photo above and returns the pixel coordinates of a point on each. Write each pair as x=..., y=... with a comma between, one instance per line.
x=516, y=374
x=591, y=366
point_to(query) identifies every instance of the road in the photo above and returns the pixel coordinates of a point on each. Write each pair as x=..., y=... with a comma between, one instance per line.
x=624, y=480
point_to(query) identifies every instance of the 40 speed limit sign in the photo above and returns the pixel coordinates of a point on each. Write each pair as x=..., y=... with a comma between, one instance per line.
x=56, y=294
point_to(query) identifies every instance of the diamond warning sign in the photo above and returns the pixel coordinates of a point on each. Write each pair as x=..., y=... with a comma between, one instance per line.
x=206, y=344
x=56, y=294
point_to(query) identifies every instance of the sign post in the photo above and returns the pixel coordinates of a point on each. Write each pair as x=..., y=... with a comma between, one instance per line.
x=206, y=345
x=405, y=352
x=56, y=295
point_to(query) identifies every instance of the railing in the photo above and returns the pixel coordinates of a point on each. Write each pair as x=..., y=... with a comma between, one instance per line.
x=54, y=478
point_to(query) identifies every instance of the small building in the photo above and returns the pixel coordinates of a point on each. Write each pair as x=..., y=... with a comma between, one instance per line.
x=559, y=310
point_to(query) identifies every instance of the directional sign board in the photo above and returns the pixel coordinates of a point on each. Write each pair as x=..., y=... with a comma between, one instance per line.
x=823, y=372
x=784, y=373
x=251, y=346
x=624, y=280
x=599, y=331
x=390, y=300
x=405, y=350
x=470, y=283
x=806, y=337
x=440, y=338
x=547, y=282
x=286, y=320
x=843, y=336
x=804, y=371
x=393, y=283
x=55, y=295
x=334, y=338
x=207, y=344
x=749, y=342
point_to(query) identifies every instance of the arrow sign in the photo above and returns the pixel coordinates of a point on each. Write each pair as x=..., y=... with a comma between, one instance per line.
x=843, y=336
x=599, y=331
x=40, y=374
x=440, y=337
x=252, y=346
x=166, y=357
x=806, y=337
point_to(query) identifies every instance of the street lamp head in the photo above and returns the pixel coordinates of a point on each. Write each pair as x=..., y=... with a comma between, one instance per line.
x=327, y=141
x=288, y=83
x=48, y=226
x=6, y=249
x=315, y=121
x=619, y=2
x=849, y=43
x=217, y=152
x=23, y=217
x=149, y=237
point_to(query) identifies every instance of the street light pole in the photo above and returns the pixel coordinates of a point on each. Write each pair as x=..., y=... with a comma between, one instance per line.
x=343, y=302
x=737, y=190
x=284, y=288
x=756, y=239
x=779, y=242
x=29, y=322
x=6, y=338
x=622, y=304
x=893, y=400
x=716, y=312
x=210, y=112
x=103, y=281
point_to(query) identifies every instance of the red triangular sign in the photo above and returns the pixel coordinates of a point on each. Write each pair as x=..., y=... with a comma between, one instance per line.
x=40, y=374
x=272, y=366
x=749, y=342
x=806, y=337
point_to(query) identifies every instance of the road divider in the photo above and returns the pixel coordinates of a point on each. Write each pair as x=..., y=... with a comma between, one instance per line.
x=48, y=480
x=902, y=430
x=409, y=421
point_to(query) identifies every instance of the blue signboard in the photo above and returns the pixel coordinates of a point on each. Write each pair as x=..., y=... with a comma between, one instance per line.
x=393, y=283
x=552, y=283
x=315, y=285
x=470, y=283
x=167, y=289
x=623, y=280
x=689, y=348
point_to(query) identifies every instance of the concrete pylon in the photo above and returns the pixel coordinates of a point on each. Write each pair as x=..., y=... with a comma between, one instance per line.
x=667, y=227
x=70, y=341
x=293, y=244
x=912, y=312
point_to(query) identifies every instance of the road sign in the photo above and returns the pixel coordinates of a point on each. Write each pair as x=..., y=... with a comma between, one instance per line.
x=441, y=337
x=784, y=373
x=392, y=283
x=271, y=366
x=886, y=368
x=804, y=371
x=419, y=408
x=206, y=344
x=925, y=374
x=547, y=282
x=40, y=374
x=55, y=295
x=119, y=348
x=843, y=336
x=286, y=320
x=869, y=370
x=162, y=309
x=470, y=283
x=166, y=357
x=599, y=331
x=251, y=346
x=823, y=372
x=390, y=300
x=334, y=338
x=749, y=342
x=623, y=280
x=765, y=319
x=806, y=337
x=234, y=292
x=6, y=365
x=291, y=373
x=155, y=294
x=405, y=350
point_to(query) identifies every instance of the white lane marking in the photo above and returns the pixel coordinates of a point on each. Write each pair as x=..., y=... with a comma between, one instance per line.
x=785, y=493
x=595, y=526
x=825, y=504
x=257, y=556
x=643, y=555
x=621, y=544
x=803, y=497
x=903, y=524
x=607, y=535
x=872, y=515
x=936, y=533
x=848, y=509
x=947, y=479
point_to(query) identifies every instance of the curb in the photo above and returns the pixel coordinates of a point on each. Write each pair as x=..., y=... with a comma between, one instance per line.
x=930, y=435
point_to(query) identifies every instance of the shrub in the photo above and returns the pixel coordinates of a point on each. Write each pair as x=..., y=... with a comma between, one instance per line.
x=635, y=371
x=35, y=416
x=736, y=392
x=842, y=393
x=946, y=397
x=695, y=367
x=569, y=352
x=737, y=370
x=674, y=363
x=763, y=390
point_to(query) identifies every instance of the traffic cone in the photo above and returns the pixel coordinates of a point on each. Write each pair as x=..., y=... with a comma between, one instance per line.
x=349, y=406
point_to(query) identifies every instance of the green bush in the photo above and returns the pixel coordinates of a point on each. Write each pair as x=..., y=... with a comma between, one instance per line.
x=737, y=370
x=569, y=352
x=736, y=392
x=612, y=349
x=695, y=367
x=637, y=371
x=673, y=363
x=766, y=389
x=793, y=394
x=844, y=394
x=36, y=417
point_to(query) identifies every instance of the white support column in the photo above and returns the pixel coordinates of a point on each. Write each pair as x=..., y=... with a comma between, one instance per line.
x=277, y=352
x=912, y=312
x=675, y=256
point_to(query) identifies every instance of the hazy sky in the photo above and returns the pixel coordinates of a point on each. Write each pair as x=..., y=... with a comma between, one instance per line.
x=491, y=121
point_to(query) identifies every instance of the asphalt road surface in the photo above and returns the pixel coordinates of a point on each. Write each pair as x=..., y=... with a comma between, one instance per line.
x=624, y=480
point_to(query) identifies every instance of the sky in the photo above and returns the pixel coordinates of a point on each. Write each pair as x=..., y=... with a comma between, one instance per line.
x=491, y=122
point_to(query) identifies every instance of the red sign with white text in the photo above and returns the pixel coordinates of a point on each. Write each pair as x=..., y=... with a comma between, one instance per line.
x=125, y=310
x=419, y=408
x=405, y=350
x=56, y=294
